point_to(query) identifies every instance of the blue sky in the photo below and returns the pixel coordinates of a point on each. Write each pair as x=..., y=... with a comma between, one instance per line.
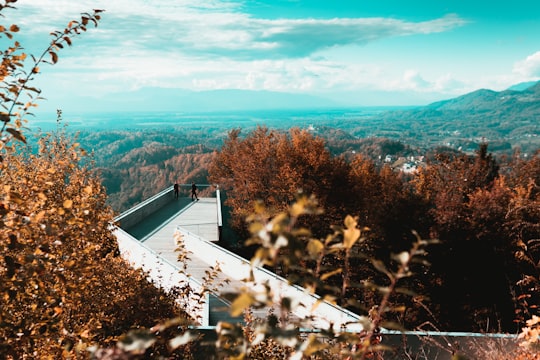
x=357, y=53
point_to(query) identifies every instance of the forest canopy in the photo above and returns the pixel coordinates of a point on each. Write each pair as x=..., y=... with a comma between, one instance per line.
x=485, y=266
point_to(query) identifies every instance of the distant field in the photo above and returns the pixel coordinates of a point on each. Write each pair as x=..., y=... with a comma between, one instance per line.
x=243, y=119
x=420, y=127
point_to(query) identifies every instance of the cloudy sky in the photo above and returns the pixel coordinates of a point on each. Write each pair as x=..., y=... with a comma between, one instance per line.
x=356, y=52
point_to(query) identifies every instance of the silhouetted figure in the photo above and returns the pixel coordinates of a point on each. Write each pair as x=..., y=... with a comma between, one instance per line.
x=194, y=192
x=176, y=190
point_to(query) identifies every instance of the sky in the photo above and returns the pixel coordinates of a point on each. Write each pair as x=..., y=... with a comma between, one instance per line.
x=352, y=53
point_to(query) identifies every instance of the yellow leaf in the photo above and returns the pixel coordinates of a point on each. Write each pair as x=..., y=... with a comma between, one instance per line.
x=315, y=247
x=350, y=237
x=330, y=298
x=350, y=222
x=330, y=274
x=241, y=356
x=68, y=204
x=297, y=209
x=181, y=340
x=242, y=302
x=88, y=190
x=314, y=346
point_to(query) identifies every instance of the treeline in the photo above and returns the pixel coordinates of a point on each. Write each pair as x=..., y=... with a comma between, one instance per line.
x=135, y=164
x=483, y=273
x=116, y=152
x=480, y=274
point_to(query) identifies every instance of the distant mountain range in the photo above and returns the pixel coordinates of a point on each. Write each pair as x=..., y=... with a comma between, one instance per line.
x=230, y=99
x=522, y=86
x=187, y=101
x=507, y=119
x=516, y=99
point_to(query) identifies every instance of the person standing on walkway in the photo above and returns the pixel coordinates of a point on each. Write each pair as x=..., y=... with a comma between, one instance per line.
x=194, y=192
x=176, y=190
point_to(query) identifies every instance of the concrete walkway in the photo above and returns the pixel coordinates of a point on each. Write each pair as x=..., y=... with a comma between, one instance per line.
x=199, y=218
x=198, y=224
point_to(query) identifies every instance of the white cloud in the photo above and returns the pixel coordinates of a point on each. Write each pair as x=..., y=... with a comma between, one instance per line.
x=413, y=80
x=212, y=44
x=220, y=28
x=449, y=84
x=529, y=67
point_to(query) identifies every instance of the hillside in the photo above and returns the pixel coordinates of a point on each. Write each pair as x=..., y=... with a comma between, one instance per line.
x=506, y=119
x=506, y=103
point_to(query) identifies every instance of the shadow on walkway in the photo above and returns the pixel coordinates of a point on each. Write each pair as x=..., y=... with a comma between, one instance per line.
x=158, y=218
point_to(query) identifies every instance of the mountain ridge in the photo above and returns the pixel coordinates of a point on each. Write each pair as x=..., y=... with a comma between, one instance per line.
x=485, y=99
x=507, y=120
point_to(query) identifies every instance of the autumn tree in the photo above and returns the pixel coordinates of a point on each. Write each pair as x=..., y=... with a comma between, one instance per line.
x=522, y=225
x=63, y=284
x=470, y=267
x=272, y=167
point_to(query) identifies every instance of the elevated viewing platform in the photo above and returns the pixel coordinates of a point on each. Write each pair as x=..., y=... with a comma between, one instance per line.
x=150, y=216
x=147, y=236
